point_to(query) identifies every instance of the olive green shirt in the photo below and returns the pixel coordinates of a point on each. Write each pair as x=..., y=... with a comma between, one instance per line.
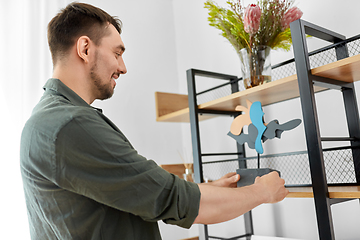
x=83, y=179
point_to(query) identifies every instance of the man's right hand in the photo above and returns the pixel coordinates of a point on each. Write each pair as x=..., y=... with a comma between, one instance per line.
x=222, y=203
x=273, y=187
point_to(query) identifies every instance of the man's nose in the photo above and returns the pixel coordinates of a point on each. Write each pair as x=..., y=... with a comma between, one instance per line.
x=122, y=68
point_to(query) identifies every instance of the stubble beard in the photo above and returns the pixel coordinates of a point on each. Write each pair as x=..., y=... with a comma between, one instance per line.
x=101, y=91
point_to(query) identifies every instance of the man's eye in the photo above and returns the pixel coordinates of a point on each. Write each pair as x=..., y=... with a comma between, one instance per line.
x=117, y=55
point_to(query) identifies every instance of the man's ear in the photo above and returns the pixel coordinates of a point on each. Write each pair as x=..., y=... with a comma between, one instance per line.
x=82, y=48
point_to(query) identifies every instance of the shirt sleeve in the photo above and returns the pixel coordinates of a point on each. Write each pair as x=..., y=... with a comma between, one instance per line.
x=95, y=160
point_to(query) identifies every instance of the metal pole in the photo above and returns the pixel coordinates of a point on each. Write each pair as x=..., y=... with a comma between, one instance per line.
x=194, y=125
x=195, y=139
x=352, y=114
x=307, y=98
x=249, y=228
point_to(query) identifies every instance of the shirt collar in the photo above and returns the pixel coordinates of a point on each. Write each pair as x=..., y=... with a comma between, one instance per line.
x=56, y=85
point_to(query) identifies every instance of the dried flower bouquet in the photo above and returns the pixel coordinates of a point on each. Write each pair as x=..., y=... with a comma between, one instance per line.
x=265, y=23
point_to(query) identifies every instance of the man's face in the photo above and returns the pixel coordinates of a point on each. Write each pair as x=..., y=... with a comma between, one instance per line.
x=108, y=64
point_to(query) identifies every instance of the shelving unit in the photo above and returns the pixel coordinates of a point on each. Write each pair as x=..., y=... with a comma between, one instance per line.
x=345, y=70
x=336, y=75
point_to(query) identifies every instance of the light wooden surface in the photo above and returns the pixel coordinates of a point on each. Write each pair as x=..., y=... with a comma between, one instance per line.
x=171, y=109
x=272, y=92
x=334, y=192
x=269, y=93
x=177, y=169
x=167, y=103
x=192, y=238
x=346, y=70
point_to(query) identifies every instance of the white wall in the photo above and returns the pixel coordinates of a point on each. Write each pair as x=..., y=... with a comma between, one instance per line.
x=24, y=65
x=163, y=39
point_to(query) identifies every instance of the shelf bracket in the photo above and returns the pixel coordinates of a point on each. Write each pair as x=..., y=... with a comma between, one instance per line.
x=338, y=139
x=330, y=83
x=340, y=200
x=218, y=112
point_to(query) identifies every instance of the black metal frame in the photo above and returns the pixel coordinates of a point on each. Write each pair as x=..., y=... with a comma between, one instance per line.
x=299, y=29
x=195, y=137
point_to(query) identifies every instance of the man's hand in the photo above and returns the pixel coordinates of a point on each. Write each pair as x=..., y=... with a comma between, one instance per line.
x=228, y=180
x=221, y=200
x=273, y=187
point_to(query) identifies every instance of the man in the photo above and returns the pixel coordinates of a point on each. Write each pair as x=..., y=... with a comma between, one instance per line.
x=82, y=178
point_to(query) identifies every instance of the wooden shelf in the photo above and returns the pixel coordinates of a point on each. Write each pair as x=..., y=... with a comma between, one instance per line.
x=174, y=107
x=334, y=192
x=171, y=107
x=346, y=70
x=294, y=192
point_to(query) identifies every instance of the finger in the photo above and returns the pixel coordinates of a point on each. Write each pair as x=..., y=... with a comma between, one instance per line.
x=231, y=181
x=230, y=174
x=282, y=181
x=235, y=178
x=275, y=173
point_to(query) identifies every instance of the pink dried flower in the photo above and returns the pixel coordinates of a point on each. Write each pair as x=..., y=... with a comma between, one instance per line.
x=291, y=15
x=252, y=19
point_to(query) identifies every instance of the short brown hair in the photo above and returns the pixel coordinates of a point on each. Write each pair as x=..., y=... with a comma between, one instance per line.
x=77, y=19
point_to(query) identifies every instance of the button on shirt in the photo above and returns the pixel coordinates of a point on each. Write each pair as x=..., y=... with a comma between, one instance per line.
x=83, y=179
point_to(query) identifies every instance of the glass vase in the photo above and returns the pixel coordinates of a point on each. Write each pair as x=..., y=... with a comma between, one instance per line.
x=188, y=175
x=255, y=65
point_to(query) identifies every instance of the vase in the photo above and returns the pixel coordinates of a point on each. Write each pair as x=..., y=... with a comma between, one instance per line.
x=255, y=66
x=188, y=175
